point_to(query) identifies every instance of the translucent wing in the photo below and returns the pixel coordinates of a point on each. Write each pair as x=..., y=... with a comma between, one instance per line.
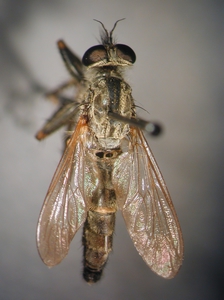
x=64, y=208
x=147, y=208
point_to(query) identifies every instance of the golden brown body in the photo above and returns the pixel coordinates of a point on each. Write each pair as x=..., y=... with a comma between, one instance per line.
x=107, y=165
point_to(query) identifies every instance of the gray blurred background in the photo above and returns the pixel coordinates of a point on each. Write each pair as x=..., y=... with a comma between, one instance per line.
x=178, y=78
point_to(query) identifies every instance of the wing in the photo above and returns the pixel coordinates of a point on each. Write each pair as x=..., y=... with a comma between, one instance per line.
x=147, y=208
x=64, y=209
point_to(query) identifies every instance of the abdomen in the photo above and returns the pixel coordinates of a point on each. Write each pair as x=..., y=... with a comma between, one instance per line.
x=97, y=241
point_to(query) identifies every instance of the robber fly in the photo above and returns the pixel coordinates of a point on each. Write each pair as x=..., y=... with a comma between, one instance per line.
x=107, y=165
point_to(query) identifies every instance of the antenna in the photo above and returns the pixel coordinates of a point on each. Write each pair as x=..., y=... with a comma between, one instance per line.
x=109, y=37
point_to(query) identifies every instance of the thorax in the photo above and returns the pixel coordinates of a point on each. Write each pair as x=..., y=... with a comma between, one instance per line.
x=108, y=92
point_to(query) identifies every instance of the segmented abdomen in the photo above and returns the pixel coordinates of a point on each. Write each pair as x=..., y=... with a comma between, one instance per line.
x=97, y=241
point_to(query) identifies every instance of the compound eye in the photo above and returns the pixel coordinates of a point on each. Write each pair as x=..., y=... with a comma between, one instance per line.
x=126, y=53
x=94, y=54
